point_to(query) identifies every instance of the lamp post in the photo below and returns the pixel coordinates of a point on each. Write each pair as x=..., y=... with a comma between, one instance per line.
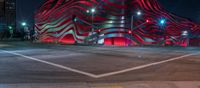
x=185, y=34
x=92, y=12
x=26, y=30
x=161, y=24
x=10, y=31
x=138, y=13
x=147, y=21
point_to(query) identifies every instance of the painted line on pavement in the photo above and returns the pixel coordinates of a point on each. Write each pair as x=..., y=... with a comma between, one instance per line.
x=101, y=75
x=144, y=66
x=53, y=64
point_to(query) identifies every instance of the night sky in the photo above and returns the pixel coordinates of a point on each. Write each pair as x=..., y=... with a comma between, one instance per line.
x=184, y=8
x=26, y=9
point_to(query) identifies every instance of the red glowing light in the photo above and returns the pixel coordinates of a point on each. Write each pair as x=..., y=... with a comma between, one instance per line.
x=129, y=31
x=147, y=21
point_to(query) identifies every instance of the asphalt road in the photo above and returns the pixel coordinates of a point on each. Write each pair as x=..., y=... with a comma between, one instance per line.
x=46, y=63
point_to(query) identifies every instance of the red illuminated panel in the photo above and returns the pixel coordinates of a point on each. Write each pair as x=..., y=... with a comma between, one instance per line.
x=68, y=39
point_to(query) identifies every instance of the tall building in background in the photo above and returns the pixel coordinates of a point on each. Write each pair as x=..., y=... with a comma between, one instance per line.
x=2, y=15
x=7, y=14
x=10, y=12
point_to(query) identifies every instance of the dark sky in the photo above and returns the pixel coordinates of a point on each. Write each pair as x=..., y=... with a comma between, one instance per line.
x=26, y=9
x=184, y=8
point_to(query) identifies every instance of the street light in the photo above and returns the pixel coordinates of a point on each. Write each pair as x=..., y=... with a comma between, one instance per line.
x=147, y=21
x=139, y=13
x=162, y=22
x=93, y=10
x=10, y=31
x=185, y=34
x=23, y=24
x=10, y=27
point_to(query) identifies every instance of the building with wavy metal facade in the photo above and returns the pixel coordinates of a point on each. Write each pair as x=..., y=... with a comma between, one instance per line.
x=113, y=22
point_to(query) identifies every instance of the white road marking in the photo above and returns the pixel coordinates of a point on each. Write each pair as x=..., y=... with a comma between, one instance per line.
x=4, y=45
x=29, y=50
x=53, y=64
x=101, y=75
x=144, y=66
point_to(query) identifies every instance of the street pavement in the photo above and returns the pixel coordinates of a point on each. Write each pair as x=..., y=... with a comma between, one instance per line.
x=28, y=65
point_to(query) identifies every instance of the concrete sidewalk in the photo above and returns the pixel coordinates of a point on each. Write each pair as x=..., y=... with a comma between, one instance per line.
x=148, y=84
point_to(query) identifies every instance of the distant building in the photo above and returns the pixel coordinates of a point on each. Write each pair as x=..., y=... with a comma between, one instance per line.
x=7, y=14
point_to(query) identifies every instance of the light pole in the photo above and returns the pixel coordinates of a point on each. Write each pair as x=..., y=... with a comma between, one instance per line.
x=162, y=23
x=131, y=22
x=186, y=35
x=92, y=12
x=26, y=30
x=138, y=13
x=147, y=21
x=10, y=31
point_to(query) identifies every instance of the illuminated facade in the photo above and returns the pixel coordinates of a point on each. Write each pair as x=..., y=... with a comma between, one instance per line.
x=113, y=22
